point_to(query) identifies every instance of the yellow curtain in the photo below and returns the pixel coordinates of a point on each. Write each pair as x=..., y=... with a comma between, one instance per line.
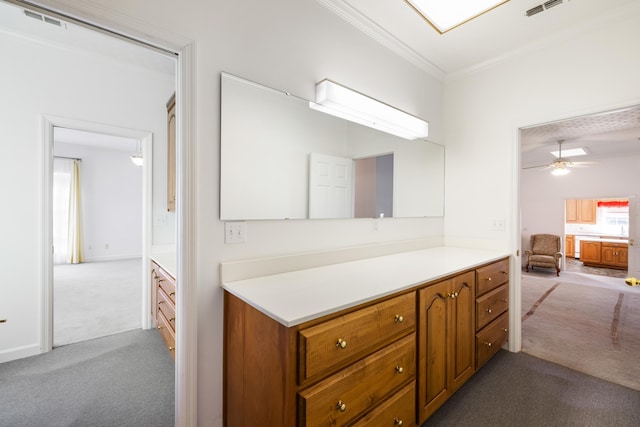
x=75, y=218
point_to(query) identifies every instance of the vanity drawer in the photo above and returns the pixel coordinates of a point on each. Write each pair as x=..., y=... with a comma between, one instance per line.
x=167, y=284
x=491, y=339
x=491, y=276
x=491, y=305
x=166, y=307
x=349, y=393
x=167, y=334
x=346, y=338
x=399, y=410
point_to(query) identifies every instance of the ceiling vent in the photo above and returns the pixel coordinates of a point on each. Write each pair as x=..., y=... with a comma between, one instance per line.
x=43, y=18
x=542, y=7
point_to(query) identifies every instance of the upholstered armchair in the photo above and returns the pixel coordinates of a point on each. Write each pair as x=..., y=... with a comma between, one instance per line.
x=545, y=252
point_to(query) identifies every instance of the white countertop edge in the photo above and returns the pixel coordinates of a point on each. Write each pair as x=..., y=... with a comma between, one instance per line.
x=166, y=260
x=299, y=296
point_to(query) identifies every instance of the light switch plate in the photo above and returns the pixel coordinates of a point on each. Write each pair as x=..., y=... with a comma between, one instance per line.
x=235, y=232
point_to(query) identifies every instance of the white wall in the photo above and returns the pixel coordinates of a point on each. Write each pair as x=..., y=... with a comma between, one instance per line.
x=111, y=194
x=41, y=80
x=543, y=194
x=286, y=44
x=581, y=73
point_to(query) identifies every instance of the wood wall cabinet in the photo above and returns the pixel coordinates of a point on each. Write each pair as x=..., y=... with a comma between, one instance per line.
x=570, y=245
x=163, y=305
x=581, y=211
x=604, y=254
x=376, y=364
x=171, y=154
x=445, y=340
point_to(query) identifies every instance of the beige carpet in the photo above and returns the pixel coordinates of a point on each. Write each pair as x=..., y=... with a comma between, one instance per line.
x=592, y=326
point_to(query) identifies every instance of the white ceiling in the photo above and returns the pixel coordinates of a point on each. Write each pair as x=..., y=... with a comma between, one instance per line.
x=505, y=32
x=501, y=33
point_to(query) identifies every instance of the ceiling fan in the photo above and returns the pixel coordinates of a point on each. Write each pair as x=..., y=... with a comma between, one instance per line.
x=561, y=165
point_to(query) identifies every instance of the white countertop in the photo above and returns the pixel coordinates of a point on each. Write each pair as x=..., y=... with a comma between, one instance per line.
x=295, y=297
x=166, y=260
x=601, y=239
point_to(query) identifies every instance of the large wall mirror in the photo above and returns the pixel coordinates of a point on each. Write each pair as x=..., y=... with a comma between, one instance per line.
x=281, y=159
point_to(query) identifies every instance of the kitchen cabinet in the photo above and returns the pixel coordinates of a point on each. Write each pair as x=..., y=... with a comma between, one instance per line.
x=570, y=245
x=445, y=340
x=581, y=211
x=163, y=305
x=171, y=154
x=604, y=254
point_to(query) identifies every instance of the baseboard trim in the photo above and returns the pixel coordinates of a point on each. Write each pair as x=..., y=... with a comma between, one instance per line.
x=19, y=353
x=112, y=258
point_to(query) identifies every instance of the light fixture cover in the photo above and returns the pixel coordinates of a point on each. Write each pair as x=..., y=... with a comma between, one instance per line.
x=340, y=101
x=137, y=160
x=444, y=15
x=560, y=170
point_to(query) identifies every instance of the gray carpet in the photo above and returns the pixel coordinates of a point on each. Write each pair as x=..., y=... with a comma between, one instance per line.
x=96, y=299
x=118, y=381
x=521, y=390
x=589, y=328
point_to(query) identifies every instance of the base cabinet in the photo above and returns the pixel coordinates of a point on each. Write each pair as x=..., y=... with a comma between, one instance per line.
x=163, y=305
x=389, y=362
x=446, y=340
x=604, y=254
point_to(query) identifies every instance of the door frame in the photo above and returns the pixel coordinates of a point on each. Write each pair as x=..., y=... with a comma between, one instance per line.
x=145, y=138
x=119, y=25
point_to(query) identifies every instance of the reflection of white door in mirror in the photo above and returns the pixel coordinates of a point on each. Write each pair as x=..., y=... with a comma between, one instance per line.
x=330, y=186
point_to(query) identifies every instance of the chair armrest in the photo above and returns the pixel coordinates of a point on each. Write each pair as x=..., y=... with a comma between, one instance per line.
x=528, y=253
x=558, y=255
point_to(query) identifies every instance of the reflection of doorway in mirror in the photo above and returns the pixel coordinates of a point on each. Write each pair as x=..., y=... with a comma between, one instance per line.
x=373, y=187
x=330, y=186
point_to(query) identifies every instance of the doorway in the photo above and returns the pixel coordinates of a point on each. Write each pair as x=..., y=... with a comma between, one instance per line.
x=97, y=217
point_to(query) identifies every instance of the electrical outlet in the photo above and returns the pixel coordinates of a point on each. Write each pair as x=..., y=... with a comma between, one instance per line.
x=235, y=232
x=497, y=225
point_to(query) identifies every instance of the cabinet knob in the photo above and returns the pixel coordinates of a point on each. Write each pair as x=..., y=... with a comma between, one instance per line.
x=341, y=406
x=171, y=348
x=159, y=327
x=489, y=344
x=341, y=343
x=398, y=318
x=488, y=310
x=488, y=279
x=172, y=319
x=505, y=330
x=172, y=294
x=399, y=369
x=504, y=301
x=504, y=272
x=398, y=422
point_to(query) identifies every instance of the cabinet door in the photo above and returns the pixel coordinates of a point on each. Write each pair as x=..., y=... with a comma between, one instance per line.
x=587, y=211
x=608, y=255
x=571, y=211
x=623, y=257
x=462, y=330
x=570, y=246
x=434, y=309
x=590, y=252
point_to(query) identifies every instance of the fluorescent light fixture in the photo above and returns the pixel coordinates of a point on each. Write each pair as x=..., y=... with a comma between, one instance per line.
x=573, y=152
x=560, y=170
x=337, y=100
x=444, y=15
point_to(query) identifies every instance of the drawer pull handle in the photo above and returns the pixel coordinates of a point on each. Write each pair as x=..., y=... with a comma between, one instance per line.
x=399, y=369
x=488, y=310
x=504, y=301
x=452, y=295
x=160, y=302
x=341, y=406
x=171, y=348
x=489, y=344
x=504, y=272
x=172, y=319
x=159, y=327
x=341, y=343
x=398, y=318
x=505, y=330
x=398, y=422
x=488, y=279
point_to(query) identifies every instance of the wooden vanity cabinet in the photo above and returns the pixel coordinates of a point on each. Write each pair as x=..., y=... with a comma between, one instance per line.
x=445, y=340
x=350, y=367
x=163, y=305
x=492, y=307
